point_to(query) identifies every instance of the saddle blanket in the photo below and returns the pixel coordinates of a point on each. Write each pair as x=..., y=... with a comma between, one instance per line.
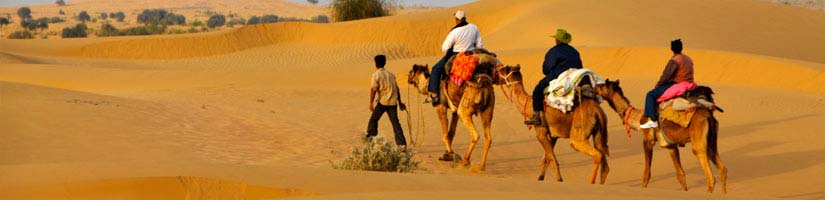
x=676, y=90
x=561, y=91
x=464, y=65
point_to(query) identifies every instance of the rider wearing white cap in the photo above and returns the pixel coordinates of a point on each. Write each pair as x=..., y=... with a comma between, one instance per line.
x=463, y=37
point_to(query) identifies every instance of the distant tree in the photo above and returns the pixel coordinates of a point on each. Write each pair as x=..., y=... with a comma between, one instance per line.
x=61, y=12
x=21, y=35
x=253, y=20
x=104, y=16
x=107, y=30
x=77, y=31
x=60, y=3
x=4, y=21
x=29, y=24
x=120, y=16
x=320, y=19
x=24, y=13
x=313, y=1
x=216, y=21
x=269, y=19
x=151, y=29
x=84, y=16
x=346, y=10
x=42, y=23
x=160, y=16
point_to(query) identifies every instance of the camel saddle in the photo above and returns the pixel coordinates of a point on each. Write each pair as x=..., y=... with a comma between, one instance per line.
x=466, y=65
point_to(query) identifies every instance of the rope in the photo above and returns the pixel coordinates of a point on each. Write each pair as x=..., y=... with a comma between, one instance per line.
x=409, y=120
x=626, y=119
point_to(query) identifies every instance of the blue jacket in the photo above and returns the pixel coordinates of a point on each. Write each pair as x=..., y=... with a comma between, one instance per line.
x=560, y=58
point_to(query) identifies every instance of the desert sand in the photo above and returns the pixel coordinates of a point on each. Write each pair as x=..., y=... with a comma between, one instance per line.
x=260, y=111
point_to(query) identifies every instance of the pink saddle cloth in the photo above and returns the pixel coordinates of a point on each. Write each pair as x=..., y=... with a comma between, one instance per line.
x=676, y=90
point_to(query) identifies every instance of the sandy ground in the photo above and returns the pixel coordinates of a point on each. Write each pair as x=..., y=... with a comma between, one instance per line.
x=260, y=112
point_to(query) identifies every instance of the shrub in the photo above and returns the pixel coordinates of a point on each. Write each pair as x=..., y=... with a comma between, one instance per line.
x=320, y=19
x=104, y=16
x=378, y=155
x=192, y=30
x=120, y=16
x=60, y=3
x=24, y=13
x=216, y=21
x=235, y=21
x=107, y=30
x=269, y=19
x=160, y=17
x=346, y=10
x=253, y=20
x=29, y=24
x=176, y=31
x=84, y=16
x=21, y=35
x=313, y=1
x=4, y=21
x=56, y=20
x=61, y=12
x=144, y=30
x=77, y=31
x=197, y=23
x=42, y=23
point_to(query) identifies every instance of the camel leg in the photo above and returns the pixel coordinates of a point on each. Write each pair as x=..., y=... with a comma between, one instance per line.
x=647, y=144
x=700, y=150
x=448, y=140
x=552, y=155
x=677, y=163
x=605, y=168
x=467, y=119
x=487, y=117
x=723, y=172
x=451, y=133
x=581, y=145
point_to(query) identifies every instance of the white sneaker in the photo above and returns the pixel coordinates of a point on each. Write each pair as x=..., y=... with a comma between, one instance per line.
x=649, y=124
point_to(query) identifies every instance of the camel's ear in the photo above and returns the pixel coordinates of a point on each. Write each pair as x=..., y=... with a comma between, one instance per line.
x=518, y=67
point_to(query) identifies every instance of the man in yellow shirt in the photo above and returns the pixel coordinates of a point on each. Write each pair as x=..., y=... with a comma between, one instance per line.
x=385, y=88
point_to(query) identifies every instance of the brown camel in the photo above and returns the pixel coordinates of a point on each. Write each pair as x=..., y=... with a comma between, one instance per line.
x=586, y=120
x=462, y=102
x=702, y=132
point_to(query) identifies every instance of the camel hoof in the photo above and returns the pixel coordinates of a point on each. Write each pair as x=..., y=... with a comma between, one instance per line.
x=447, y=157
x=541, y=178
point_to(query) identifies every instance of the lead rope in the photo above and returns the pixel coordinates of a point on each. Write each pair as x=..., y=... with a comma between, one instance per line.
x=409, y=120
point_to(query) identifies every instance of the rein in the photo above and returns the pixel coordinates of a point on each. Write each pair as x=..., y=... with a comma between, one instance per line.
x=512, y=96
x=626, y=119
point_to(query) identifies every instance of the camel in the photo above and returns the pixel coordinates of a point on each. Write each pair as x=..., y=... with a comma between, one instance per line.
x=702, y=132
x=586, y=120
x=462, y=102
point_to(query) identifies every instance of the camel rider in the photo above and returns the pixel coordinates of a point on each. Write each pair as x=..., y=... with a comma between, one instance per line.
x=558, y=59
x=679, y=69
x=464, y=37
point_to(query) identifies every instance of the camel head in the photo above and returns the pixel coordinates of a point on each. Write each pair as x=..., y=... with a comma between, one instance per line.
x=419, y=77
x=509, y=75
x=611, y=92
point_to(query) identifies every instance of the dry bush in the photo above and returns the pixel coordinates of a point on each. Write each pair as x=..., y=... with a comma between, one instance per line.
x=378, y=155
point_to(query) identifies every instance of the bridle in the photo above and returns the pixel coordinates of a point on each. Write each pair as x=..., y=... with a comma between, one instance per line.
x=510, y=94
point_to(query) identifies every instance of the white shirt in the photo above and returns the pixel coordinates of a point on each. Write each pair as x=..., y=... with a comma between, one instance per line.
x=465, y=38
x=384, y=83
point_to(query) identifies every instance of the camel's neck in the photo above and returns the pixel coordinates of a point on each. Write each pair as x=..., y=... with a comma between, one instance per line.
x=520, y=97
x=620, y=105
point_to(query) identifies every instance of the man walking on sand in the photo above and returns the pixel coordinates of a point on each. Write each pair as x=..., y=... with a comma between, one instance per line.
x=384, y=86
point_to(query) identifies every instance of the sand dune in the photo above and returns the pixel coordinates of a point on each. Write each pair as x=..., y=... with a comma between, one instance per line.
x=268, y=107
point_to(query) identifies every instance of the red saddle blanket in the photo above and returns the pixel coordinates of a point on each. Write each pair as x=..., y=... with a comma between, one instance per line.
x=464, y=66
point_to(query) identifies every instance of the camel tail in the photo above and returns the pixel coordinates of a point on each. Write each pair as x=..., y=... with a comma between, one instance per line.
x=713, y=132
